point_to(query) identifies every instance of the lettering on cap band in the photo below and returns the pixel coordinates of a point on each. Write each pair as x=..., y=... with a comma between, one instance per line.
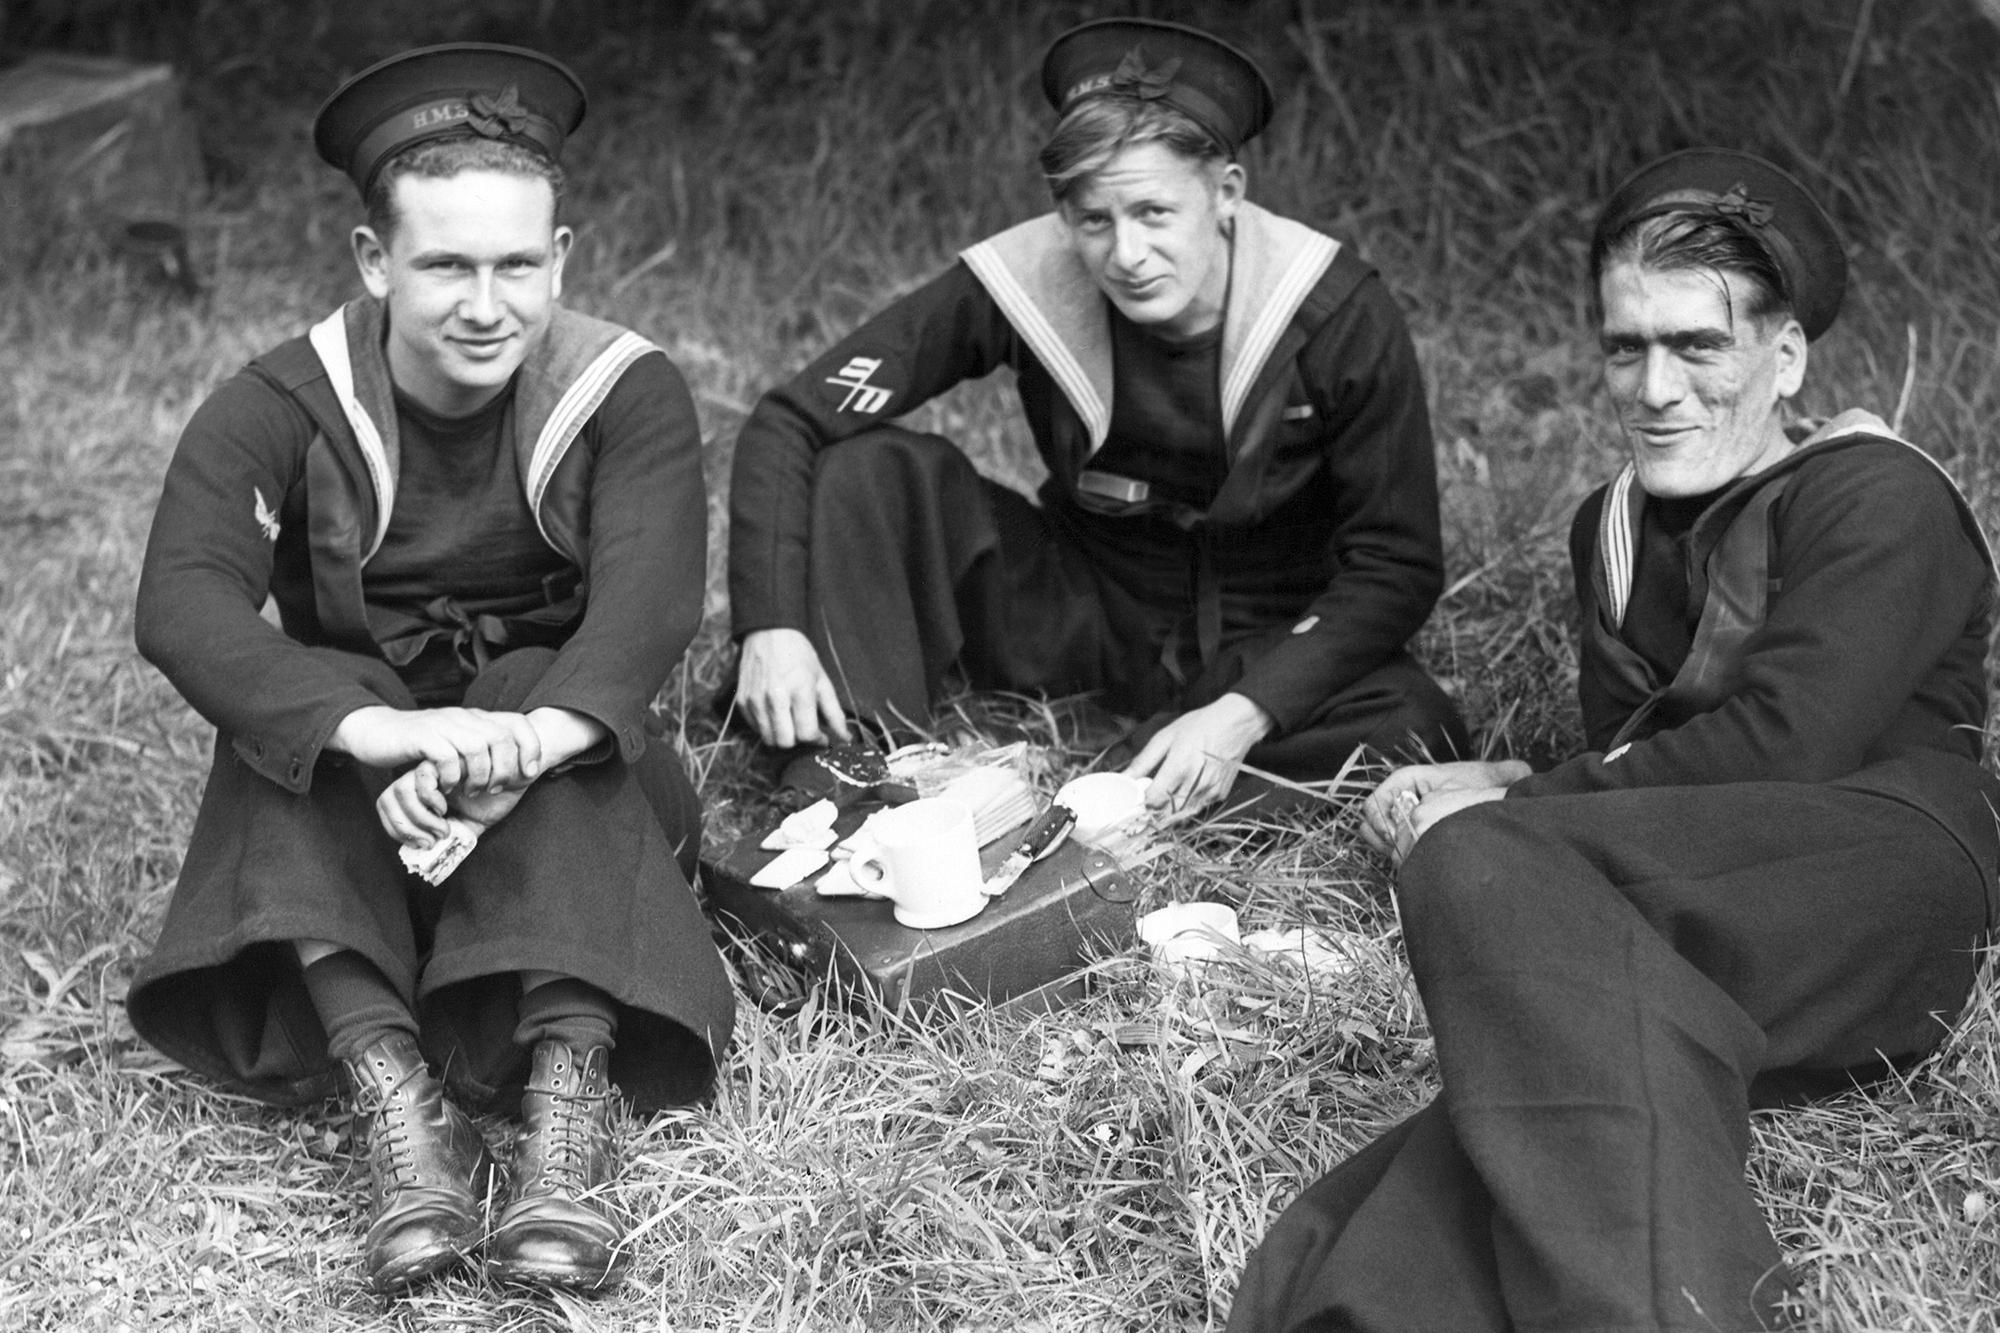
x=435, y=120
x=1218, y=87
x=468, y=90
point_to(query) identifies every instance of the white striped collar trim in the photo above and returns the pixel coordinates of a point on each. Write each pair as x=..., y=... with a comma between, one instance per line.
x=1617, y=541
x=1028, y=319
x=329, y=340
x=578, y=403
x=1268, y=303
x=1034, y=277
x=1616, y=544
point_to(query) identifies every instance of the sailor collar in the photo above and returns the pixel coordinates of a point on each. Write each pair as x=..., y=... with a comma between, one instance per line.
x=1617, y=534
x=557, y=389
x=1033, y=274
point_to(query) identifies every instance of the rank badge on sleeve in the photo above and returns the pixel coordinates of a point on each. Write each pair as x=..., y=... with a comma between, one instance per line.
x=861, y=396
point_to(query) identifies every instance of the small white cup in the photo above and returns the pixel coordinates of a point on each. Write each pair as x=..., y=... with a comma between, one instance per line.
x=1182, y=933
x=1107, y=805
x=926, y=861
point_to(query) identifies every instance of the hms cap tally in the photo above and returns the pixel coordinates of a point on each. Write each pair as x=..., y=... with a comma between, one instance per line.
x=1207, y=80
x=1746, y=192
x=460, y=89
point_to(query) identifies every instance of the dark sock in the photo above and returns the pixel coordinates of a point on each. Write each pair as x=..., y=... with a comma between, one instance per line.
x=357, y=1006
x=573, y=1012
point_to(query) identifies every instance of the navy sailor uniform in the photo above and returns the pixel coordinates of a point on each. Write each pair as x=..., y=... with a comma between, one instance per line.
x=1294, y=574
x=285, y=483
x=1767, y=879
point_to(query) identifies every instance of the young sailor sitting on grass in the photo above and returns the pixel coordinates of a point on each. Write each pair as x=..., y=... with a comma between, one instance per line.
x=481, y=519
x=1239, y=532
x=1768, y=877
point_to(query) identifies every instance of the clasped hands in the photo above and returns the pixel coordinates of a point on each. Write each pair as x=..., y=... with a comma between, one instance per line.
x=1410, y=800
x=469, y=762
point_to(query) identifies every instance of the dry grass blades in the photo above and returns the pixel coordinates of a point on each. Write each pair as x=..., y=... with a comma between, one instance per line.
x=753, y=179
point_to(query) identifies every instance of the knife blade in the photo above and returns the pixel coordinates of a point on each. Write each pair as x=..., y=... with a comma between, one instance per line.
x=1041, y=837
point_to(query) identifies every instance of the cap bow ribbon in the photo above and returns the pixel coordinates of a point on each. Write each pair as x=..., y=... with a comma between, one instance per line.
x=1737, y=202
x=1134, y=80
x=497, y=115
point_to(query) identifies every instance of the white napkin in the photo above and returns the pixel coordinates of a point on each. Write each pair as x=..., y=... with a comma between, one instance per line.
x=434, y=864
x=810, y=827
x=789, y=867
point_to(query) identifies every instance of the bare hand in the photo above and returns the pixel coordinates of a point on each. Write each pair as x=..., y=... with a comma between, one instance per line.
x=1193, y=760
x=485, y=810
x=1411, y=799
x=471, y=748
x=565, y=734
x=412, y=808
x=1439, y=804
x=786, y=693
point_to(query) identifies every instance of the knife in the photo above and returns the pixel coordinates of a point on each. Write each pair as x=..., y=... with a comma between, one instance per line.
x=1041, y=837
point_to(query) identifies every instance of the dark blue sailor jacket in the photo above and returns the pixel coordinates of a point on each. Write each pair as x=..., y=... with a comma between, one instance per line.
x=1326, y=518
x=283, y=483
x=1839, y=604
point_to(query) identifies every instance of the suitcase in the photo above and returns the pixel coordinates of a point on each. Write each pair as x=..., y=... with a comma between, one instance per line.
x=1029, y=943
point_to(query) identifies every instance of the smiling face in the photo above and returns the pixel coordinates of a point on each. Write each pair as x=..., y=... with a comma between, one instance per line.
x=471, y=274
x=1150, y=228
x=1696, y=382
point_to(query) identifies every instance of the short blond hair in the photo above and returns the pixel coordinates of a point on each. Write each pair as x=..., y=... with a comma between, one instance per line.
x=440, y=159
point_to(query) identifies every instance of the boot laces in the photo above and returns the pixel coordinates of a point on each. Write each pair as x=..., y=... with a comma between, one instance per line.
x=569, y=1135
x=390, y=1143
x=569, y=1132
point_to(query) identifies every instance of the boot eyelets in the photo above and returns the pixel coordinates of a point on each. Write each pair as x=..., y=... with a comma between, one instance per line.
x=556, y=1229
x=427, y=1212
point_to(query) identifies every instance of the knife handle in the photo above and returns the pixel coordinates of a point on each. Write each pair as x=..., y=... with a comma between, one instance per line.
x=1048, y=829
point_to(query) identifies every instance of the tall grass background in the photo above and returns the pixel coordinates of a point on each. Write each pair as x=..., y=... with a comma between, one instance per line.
x=753, y=179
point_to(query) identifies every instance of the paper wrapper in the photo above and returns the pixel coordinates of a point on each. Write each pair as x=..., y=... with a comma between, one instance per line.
x=789, y=867
x=434, y=864
x=810, y=827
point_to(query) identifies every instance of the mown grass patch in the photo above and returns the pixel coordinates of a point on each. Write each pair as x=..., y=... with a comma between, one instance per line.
x=752, y=181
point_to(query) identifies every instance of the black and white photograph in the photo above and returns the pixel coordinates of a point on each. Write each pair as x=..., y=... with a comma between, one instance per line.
x=1260, y=666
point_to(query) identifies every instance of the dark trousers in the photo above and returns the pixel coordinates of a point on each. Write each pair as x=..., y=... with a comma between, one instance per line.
x=920, y=566
x=1613, y=981
x=589, y=876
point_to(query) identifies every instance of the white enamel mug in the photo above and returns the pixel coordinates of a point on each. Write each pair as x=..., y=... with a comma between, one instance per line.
x=926, y=861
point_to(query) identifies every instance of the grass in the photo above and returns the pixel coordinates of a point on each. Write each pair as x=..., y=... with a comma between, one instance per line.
x=754, y=179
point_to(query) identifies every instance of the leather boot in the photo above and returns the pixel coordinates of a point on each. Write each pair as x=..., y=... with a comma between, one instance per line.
x=429, y=1168
x=558, y=1229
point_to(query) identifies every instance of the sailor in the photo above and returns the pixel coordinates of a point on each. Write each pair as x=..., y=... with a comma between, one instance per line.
x=479, y=519
x=1767, y=877
x=1239, y=531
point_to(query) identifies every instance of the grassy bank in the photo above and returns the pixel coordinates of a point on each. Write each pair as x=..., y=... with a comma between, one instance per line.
x=750, y=183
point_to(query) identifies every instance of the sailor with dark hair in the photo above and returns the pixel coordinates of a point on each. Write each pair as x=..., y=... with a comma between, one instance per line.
x=479, y=518
x=1239, y=531
x=1768, y=877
